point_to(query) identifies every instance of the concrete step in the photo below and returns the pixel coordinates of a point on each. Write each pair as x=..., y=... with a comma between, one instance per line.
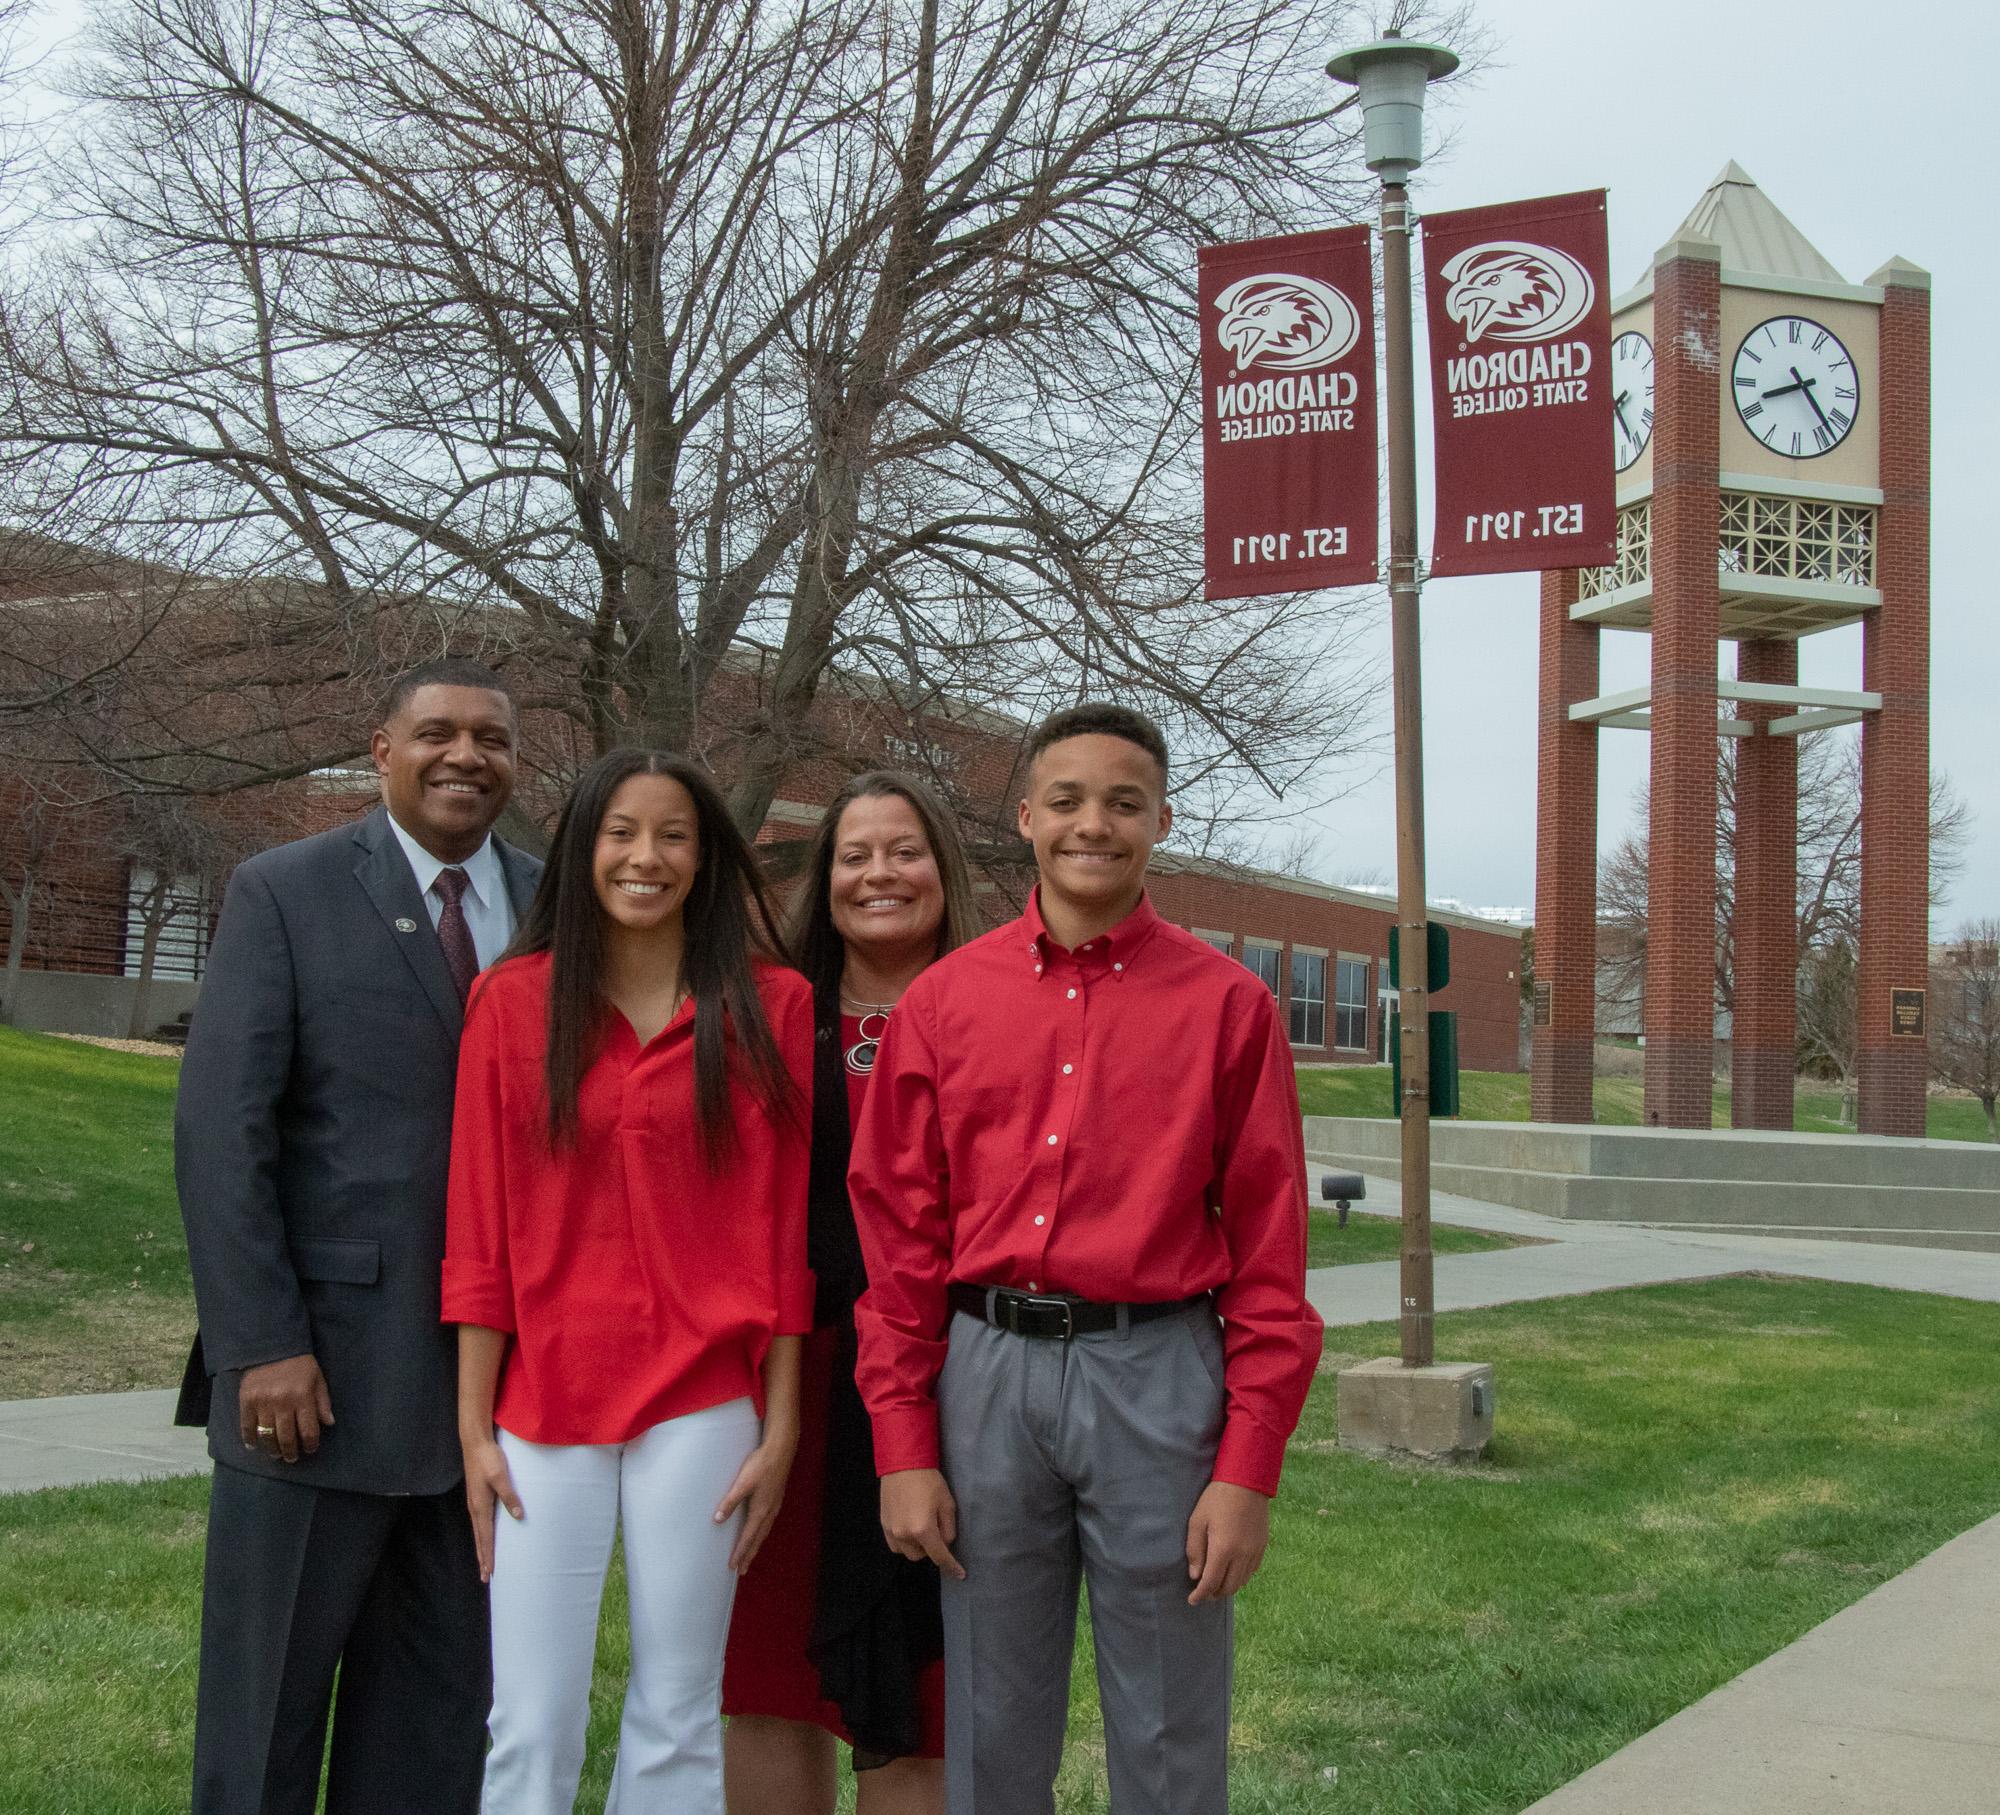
x=1920, y=1215
x=1963, y=1241
x=1750, y=1155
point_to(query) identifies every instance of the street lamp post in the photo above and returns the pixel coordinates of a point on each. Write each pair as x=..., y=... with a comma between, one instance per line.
x=1392, y=74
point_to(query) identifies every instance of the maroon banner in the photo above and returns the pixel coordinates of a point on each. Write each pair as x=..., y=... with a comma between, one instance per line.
x=1519, y=300
x=1288, y=413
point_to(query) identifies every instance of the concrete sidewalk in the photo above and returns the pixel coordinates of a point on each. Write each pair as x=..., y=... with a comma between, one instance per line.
x=89, y=1437
x=1889, y=1708
x=1571, y=1257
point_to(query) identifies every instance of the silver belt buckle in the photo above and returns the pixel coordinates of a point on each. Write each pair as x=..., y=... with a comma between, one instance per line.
x=1062, y=1304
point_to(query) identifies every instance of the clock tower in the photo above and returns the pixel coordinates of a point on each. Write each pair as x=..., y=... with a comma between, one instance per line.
x=1772, y=440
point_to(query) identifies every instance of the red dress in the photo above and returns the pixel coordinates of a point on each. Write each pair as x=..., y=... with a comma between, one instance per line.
x=766, y=1670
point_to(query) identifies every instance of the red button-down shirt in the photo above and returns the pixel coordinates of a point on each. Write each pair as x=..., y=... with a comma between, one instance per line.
x=638, y=1285
x=1120, y=1123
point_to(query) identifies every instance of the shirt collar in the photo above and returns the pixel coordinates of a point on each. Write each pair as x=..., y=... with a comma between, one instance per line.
x=1114, y=948
x=482, y=868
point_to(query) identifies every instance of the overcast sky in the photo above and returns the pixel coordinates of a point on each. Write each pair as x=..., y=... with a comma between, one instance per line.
x=1874, y=131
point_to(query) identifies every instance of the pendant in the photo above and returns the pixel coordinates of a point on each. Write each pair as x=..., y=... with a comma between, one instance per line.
x=861, y=1055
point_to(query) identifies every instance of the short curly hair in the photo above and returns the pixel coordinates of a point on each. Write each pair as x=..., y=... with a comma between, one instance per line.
x=1099, y=718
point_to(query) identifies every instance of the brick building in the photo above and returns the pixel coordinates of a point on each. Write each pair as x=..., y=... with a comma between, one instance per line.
x=102, y=900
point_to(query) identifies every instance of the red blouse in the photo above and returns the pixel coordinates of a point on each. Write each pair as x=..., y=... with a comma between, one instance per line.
x=637, y=1285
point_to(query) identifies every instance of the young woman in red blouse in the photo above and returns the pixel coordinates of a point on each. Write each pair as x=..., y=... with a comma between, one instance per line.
x=626, y=1260
x=834, y=1636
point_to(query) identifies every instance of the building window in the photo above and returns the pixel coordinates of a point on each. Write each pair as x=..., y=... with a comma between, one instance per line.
x=175, y=913
x=1308, y=998
x=1262, y=961
x=1225, y=943
x=1350, y=1003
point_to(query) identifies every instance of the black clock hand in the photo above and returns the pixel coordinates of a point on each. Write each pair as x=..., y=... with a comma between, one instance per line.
x=1806, y=385
x=1618, y=410
x=1784, y=390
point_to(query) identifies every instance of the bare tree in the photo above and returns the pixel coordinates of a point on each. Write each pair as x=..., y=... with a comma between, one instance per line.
x=693, y=353
x=1829, y=1031
x=34, y=807
x=1965, y=1029
x=1829, y=865
x=179, y=856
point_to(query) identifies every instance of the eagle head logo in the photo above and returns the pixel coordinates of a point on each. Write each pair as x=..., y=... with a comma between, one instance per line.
x=1510, y=290
x=1285, y=323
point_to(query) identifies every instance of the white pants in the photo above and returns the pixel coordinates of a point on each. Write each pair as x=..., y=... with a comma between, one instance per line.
x=548, y=1578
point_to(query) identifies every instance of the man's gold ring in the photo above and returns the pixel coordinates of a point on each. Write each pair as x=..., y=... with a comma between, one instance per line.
x=267, y=1430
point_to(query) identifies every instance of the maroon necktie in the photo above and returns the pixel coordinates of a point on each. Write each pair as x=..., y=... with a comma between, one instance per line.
x=453, y=934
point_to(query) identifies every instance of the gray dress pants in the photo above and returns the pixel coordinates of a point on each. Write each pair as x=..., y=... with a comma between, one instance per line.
x=1083, y=1458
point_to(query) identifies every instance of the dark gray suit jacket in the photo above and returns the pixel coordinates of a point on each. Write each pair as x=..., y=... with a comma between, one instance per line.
x=311, y=1143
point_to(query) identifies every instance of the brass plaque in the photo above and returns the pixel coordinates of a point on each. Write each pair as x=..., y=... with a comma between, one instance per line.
x=1906, y=1014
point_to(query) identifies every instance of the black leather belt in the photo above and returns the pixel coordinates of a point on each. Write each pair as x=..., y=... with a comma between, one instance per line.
x=1052, y=1315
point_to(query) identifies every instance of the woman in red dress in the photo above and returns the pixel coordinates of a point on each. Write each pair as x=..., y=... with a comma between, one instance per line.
x=626, y=1259
x=834, y=1636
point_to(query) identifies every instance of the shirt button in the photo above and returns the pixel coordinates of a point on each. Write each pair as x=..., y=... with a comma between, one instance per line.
x=1040, y=1220
x=1118, y=967
x=1067, y=1069
x=1038, y=970
x=1052, y=1140
x=1072, y=995
x=1034, y=1285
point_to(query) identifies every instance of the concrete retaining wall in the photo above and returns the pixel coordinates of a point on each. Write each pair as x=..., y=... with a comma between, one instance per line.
x=1943, y=1194
x=73, y=1002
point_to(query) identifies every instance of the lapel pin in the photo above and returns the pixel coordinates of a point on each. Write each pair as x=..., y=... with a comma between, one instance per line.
x=406, y=926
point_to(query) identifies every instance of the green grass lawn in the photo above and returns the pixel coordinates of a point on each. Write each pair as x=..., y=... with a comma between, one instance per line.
x=1685, y=1479
x=1368, y=1237
x=94, y=1293
x=1502, y=1096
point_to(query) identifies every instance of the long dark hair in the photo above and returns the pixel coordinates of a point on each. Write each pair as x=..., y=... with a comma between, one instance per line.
x=719, y=942
x=817, y=947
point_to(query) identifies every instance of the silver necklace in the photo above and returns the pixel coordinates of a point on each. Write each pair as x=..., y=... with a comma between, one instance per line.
x=861, y=1055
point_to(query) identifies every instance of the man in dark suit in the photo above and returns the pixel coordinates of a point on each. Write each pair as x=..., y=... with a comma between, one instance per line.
x=311, y=1143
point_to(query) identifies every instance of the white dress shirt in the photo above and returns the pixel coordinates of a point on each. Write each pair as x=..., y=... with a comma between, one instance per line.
x=489, y=913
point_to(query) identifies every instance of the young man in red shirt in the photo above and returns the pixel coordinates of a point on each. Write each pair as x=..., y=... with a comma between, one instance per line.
x=1080, y=1185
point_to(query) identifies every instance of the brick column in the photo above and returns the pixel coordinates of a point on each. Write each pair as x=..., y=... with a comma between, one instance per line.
x=1565, y=861
x=1765, y=961
x=1895, y=742
x=1680, y=891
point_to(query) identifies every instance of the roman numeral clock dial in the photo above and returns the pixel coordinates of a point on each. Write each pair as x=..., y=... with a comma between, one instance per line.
x=1631, y=397
x=1795, y=387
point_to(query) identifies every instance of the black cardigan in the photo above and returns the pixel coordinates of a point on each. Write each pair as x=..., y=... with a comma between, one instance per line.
x=876, y=1622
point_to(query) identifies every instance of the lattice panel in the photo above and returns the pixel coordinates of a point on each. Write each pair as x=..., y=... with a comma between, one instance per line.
x=1797, y=539
x=1634, y=560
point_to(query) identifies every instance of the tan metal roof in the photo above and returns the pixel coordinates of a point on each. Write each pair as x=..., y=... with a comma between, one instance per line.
x=1754, y=236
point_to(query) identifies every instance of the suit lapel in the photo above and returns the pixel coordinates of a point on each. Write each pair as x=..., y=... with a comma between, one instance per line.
x=386, y=877
x=523, y=874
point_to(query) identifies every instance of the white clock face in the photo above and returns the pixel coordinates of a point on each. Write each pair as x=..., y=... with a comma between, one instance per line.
x=1631, y=397
x=1795, y=387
